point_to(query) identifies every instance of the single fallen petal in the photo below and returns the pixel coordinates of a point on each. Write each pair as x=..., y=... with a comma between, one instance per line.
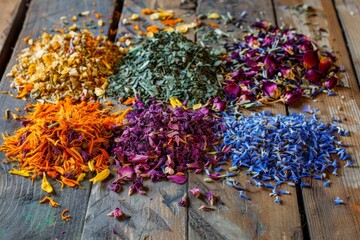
x=178, y=178
x=195, y=192
x=51, y=202
x=116, y=213
x=338, y=201
x=310, y=59
x=232, y=90
x=45, y=185
x=19, y=172
x=271, y=89
x=100, y=176
x=331, y=82
x=206, y=208
x=291, y=97
x=184, y=201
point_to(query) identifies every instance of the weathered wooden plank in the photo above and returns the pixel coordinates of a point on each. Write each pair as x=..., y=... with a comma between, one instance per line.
x=237, y=218
x=157, y=215
x=21, y=216
x=349, y=14
x=135, y=6
x=13, y=13
x=326, y=221
x=9, y=12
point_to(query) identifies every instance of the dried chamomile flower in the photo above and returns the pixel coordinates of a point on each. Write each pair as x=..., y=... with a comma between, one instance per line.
x=60, y=65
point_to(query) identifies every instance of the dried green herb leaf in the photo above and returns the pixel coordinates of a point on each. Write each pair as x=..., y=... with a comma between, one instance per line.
x=168, y=65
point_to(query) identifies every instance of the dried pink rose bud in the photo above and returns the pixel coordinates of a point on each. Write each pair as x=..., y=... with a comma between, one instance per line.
x=116, y=213
x=310, y=59
x=291, y=97
x=324, y=64
x=210, y=196
x=184, y=201
x=314, y=76
x=232, y=90
x=331, y=82
x=218, y=105
x=195, y=192
x=270, y=89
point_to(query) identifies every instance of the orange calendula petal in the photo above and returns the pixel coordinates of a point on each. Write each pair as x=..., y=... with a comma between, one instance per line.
x=27, y=88
x=129, y=101
x=100, y=176
x=51, y=202
x=45, y=185
x=171, y=22
x=67, y=217
x=147, y=11
x=153, y=29
x=69, y=182
x=19, y=172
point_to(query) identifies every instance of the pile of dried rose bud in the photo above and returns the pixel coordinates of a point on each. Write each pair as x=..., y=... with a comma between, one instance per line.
x=272, y=65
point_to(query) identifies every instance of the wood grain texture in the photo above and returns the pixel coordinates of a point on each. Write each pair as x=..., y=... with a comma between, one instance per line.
x=349, y=14
x=157, y=215
x=9, y=11
x=236, y=218
x=21, y=216
x=135, y=6
x=326, y=221
x=11, y=18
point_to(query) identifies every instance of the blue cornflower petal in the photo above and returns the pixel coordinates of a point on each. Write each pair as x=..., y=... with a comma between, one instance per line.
x=338, y=201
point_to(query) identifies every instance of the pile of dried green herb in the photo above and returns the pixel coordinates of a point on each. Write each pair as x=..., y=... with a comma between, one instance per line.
x=168, y=65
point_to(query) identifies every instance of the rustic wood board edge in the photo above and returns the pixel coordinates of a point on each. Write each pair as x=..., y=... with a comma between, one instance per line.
x=10, y=30
x=348, y=12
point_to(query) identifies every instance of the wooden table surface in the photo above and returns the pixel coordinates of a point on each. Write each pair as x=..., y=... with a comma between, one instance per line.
x=305, y=214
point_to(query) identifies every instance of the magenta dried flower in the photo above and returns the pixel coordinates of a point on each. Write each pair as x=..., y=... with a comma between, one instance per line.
x=177, y=178
x=218, y=105
x=331, y=82
x=184, y=201
x=310, y=59
x=126, y=172
x=325, y=64
x=137, y=186
x=232, y=90
x=210, y=196
x=314, y=76
x=115, y=187
x=195, y=192
x=273, y=63
x=116, y=213
x=291, y=97
x=163, y=143
x=271, y=89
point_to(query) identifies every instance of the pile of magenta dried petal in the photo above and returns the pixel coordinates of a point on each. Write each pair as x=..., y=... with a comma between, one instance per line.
x=164, y=143
x=272, y=64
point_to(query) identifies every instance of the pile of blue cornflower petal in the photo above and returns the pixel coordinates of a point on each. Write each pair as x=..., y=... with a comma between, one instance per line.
x=283, y=149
